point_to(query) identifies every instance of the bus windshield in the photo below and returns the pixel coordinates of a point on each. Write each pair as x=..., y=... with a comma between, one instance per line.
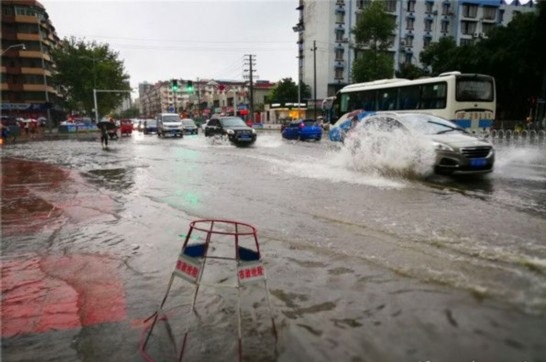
x=474, y=90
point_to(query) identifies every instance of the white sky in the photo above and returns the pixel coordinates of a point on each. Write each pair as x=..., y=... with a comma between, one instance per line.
x=207, y=39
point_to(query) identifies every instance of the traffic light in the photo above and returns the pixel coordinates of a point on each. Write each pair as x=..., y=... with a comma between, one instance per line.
x=174, y=85
x=189, y=86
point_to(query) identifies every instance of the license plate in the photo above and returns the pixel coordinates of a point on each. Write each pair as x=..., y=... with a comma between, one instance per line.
x=478, y=162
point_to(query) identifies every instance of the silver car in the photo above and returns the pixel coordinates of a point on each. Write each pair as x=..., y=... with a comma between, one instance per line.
x=457, y=151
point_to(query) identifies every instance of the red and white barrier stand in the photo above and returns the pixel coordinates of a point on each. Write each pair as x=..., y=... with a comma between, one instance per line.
x=195, y=256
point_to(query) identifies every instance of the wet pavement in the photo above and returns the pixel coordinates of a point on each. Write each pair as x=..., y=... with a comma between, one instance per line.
x=361, y=266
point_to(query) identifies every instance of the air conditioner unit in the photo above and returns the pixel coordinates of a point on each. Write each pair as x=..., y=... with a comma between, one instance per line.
x=476, y=35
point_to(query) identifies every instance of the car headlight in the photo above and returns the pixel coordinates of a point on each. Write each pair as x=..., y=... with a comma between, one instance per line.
x=253, y=130
x=442, y=146
x=230, y=131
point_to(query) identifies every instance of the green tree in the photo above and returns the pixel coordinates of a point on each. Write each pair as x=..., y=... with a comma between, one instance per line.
x=132, y=112
x=373, y=36
x=410, y=71
x=438, y=57
x=514, y=55
x=83, y=66
x=286, y=90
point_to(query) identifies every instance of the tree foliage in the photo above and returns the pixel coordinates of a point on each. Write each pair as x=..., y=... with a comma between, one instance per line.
x=374, y=31
x=372, y=66
x=83, y=66
x=286, y=90
x=513, y=54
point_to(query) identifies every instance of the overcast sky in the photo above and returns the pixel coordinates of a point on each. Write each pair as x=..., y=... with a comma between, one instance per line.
x=206, y=39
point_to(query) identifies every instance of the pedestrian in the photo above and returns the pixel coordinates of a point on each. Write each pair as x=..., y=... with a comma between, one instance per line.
x=103, y=135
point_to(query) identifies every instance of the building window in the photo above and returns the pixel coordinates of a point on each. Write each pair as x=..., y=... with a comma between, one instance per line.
x=428, y=7
x=489, y=13
x=501, y=15
x=339, y=54
x=466, y=42
x=340, y=18
x=445, y=25
x=339, y=73
x=446, y=9
x=468, y=27
x=411, y=6
x=428, y=24
x=486, y=28
x=470, y=11
x=390, y=6
x=339, y=35
x=409, y=41
x=408, y=58
x=409, y=23
x=426, y=41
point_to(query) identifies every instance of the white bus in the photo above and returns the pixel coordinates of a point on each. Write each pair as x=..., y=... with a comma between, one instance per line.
x=469, y=100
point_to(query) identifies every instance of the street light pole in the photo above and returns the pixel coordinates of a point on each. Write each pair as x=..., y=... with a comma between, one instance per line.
x=314, y=49
x=22, y=46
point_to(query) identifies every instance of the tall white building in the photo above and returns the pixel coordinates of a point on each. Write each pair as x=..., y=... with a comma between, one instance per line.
x=327, y=45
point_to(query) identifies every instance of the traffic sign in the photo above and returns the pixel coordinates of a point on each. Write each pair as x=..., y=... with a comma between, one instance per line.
x=171, y=109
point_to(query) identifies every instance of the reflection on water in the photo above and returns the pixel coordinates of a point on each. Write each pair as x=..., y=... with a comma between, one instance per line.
x=117, y=179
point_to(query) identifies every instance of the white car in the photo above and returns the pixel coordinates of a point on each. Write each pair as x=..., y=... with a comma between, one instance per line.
x=169, y=124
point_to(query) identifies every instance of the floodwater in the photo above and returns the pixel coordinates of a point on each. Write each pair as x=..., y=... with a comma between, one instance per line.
x=368, y=257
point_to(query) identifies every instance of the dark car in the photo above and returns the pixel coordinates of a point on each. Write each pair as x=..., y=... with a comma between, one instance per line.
x=305, y=129
x=234, y=128
x=149, y=126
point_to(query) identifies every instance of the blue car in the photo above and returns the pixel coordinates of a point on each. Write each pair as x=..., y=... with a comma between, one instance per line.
x=305, y=129
x=343, y=125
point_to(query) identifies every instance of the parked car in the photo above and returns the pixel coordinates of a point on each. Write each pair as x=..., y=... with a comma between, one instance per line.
x=457, y=151
x=189, y=126
x=126, y=127
x=304, y=129
x=169, y=124
x=234, y=128
x=149, y=126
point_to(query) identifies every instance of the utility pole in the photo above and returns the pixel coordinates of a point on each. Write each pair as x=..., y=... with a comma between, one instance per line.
x=314, y=50
x=251, y=63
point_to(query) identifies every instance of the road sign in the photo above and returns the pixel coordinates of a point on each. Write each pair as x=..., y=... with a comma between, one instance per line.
x=171, y=109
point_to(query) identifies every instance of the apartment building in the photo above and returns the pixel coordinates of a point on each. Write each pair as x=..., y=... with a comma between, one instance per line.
x=208, y=97
x=27, y=39
x=326, y=45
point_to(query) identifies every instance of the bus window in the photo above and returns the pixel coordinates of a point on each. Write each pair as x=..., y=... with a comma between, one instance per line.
x=474, y=90
x=387, y=99
x=433, y=96
x=368, y=101
x=409, y=97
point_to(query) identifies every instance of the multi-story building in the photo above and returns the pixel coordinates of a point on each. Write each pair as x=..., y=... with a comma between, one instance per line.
x=27, y=39
x=327, y=46
x=207, y=97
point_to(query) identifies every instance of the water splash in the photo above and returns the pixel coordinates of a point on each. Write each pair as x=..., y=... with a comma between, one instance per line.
x=393, y=154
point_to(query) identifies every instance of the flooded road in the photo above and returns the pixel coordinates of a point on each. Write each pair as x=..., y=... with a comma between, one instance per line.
x=362, y=264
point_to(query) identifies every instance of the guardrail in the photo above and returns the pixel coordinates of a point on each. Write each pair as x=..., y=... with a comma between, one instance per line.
x=514, y=136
